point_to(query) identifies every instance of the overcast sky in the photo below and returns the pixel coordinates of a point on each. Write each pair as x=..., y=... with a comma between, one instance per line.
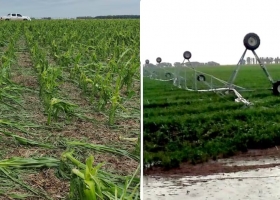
x=69, y=8
x=213, y=30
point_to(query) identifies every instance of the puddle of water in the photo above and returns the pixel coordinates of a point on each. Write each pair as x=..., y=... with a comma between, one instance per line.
x=261, y=161
x=256, y=184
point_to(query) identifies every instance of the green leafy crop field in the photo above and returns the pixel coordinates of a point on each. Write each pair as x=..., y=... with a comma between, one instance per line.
x=70, y=109
x=185, y=126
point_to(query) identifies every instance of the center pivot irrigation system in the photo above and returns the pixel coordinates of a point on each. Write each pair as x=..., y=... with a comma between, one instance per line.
x=197, y=79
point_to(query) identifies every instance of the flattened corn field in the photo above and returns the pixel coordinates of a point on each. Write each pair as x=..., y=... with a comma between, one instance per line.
x=70, y=90
x=182, y=126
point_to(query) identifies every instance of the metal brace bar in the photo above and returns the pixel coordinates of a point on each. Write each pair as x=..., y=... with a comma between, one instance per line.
x=263, y=67
x=195, y=83
x=235, y=72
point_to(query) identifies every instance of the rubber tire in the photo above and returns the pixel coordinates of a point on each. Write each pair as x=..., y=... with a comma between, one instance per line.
x=187, y=55
x=276, y=88
x=247, y=41
x=25, y=20
x=168, y=75
x=199, y=77
x=147, y=62
x=159, y=60
x=7, y=20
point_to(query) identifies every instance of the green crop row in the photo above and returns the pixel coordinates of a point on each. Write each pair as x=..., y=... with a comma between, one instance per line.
x=99, y=56
x=184, y=126
x=103, y=59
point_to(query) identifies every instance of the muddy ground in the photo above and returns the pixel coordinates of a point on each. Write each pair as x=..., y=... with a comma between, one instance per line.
x=218, y=166
x=252, y=175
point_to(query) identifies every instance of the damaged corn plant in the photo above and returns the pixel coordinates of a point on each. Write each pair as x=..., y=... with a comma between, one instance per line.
x=105, y=68
x=70, y=114
x=88, y=182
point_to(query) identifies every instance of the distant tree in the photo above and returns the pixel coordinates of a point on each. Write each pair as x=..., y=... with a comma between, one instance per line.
x=212, y=63
x=276, y=60
x=118, y=17
x=149, y=65
x=166, y=64
x=267, y=60
x=271, y=60
x=248, y=60
x=177, y=64
x=111, y=17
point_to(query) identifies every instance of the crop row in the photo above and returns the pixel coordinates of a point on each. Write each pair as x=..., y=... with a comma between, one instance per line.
x=102, y=60
x=53, y=58
x=182, y=126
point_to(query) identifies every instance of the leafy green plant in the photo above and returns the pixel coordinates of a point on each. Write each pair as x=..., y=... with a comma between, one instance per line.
x=59, y=106
x=89, y=184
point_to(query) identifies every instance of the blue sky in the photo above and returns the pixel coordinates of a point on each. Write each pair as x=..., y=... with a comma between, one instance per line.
x=69, y=8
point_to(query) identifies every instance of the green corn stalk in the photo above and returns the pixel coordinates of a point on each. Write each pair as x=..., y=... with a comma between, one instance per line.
x=83, y=81
x=17, y=162
x=49, y=84
x=104, y=149
x=9, y=124
x=92, y=45
x=59, y=106
x=26, y=141
x=49, y=78
x=89, y=183
x=105, y=92
x=76, y=69
x=93, y=186
x=24, y=185
x=114, y=102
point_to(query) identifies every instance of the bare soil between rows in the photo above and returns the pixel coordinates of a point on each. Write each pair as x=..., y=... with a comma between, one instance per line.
x=214, y=167
x=24, y=74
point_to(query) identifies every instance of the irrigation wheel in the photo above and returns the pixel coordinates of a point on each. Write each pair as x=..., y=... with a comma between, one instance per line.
x=168, y=75
x=187, y=55
x=158, y=60
x=251, y=41
x=201, y=77
x=276, y=88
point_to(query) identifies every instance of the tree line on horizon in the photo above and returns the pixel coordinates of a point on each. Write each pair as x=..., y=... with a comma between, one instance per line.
x=111, y=17
x=178, y=64
x=99, y=17
x=267, y=60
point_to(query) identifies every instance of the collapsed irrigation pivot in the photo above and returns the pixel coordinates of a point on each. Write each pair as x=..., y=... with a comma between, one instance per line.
x=195, y=80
